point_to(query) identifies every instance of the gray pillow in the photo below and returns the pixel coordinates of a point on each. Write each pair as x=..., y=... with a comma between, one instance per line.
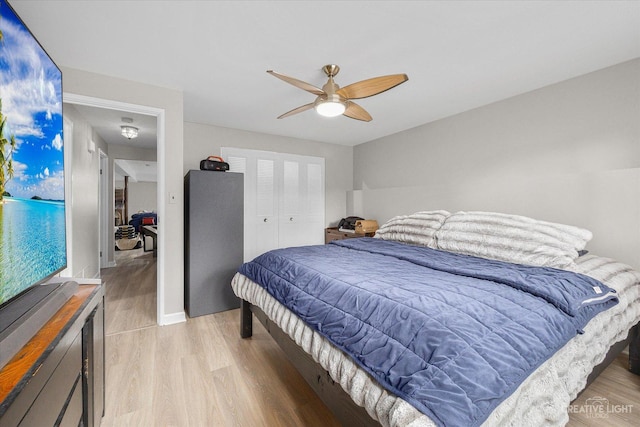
x=512, y=238
x=417, y=229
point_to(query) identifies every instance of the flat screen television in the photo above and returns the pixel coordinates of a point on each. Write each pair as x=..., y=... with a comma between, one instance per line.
x=32, y=208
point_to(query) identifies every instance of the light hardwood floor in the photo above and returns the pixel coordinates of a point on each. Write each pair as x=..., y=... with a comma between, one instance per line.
x=201, y=373
x=130, y=295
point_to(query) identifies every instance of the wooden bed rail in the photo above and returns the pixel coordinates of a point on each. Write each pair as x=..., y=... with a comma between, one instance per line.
x=246, y=320
x=634, y=350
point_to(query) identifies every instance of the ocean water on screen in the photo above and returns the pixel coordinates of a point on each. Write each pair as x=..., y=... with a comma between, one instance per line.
x=32, y=243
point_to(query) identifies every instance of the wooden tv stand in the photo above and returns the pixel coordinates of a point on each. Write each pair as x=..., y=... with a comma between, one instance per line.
x=57, y=378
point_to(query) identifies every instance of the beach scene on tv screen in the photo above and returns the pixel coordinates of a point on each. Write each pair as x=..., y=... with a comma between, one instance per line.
x=32, y=217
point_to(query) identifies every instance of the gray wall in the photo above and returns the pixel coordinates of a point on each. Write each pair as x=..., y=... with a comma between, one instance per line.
x=569, y=152
x=142, y=197
x=201, y=141
x=127, y=152
x=85, y=185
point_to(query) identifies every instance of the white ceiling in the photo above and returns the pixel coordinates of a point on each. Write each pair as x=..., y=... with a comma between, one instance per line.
x=458, y=55
x=136, y=170
x=107, y=124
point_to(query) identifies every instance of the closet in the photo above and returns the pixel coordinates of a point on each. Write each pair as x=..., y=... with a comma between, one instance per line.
x=284, y=199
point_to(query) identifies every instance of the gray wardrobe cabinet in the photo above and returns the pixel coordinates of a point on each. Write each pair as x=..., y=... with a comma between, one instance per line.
x=213, y=215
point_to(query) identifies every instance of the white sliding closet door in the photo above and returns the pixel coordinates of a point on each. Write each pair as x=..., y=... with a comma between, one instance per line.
x=284, y=199
x=265, y=218
x=291, y=209
x=315, y=202
x=301, y=202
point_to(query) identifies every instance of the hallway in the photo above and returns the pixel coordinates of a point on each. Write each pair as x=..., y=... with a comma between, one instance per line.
x=130, y=292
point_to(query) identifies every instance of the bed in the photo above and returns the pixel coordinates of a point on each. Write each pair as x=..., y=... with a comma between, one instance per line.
x=578, y=312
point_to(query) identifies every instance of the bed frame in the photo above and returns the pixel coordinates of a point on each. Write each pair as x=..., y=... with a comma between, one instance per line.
x=340, y=403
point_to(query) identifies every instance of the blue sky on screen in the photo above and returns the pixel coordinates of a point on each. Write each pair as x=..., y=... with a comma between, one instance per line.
x=31, y=93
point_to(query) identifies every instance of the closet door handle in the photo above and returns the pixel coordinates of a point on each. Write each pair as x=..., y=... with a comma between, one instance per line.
x=291, y=219
x=265, y=220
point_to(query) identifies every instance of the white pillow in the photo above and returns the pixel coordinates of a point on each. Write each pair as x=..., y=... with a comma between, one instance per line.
x=512, y=238
x=416, y=229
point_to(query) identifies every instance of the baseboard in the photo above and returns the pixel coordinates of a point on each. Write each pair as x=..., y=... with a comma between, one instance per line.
x=109, y=264
x=170, y=319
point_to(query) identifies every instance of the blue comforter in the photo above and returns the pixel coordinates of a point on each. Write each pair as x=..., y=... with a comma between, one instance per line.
x=451, y=334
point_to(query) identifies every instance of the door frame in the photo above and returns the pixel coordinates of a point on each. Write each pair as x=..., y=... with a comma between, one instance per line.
x=159, y=114
x=105, y=218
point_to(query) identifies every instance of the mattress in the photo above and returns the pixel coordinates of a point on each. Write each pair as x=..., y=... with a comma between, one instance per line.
x=542, y=398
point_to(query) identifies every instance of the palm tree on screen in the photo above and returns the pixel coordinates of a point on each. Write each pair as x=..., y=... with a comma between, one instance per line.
x=7, y=146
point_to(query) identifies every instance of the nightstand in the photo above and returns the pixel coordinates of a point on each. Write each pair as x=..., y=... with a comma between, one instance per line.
x=332, y=233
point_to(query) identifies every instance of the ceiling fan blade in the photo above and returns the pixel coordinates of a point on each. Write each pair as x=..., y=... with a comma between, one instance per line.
x=297, y=110
x=297, y=83
x=372, y=86
x=355, y=111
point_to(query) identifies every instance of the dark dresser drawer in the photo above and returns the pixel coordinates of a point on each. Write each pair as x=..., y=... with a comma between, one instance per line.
x=73, y=412
x=46, y=408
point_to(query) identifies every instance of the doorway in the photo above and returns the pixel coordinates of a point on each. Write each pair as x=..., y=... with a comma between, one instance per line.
x=158, y=114
x=103, y=211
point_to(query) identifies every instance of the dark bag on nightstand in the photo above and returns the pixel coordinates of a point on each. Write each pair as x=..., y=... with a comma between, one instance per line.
x=349, y=223
x=211, y=164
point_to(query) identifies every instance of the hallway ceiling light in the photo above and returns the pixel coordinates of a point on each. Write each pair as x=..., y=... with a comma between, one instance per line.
x=127, y=131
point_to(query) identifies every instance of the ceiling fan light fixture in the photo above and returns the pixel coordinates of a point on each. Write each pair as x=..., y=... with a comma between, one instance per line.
x=330, y=105
x=129, y=132
x=330, y=108
x=332, y=100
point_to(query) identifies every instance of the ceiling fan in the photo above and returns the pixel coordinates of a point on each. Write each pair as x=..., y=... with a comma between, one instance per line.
x=332, y=100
